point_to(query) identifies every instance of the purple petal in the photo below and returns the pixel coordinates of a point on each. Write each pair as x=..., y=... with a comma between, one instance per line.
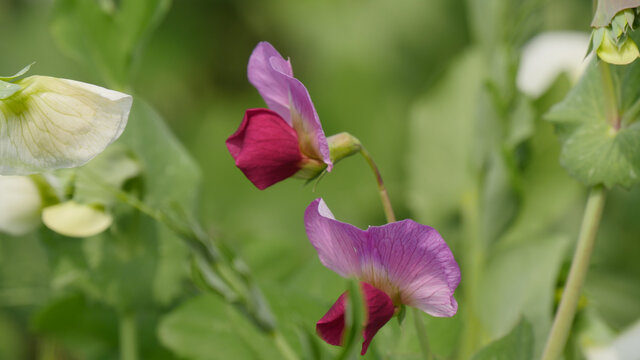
x=268, y=71
x=380, y=310
x=305, y=120
x=337, y=243
x=415, y=259
x=409, y=261
x=265, y=148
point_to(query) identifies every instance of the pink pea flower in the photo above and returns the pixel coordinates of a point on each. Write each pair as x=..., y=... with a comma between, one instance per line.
x=285, y=140
x=401, y=263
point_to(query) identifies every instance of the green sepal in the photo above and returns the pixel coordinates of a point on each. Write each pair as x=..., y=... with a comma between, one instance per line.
x=7, y=89
x=402, y=313
x=18, y=74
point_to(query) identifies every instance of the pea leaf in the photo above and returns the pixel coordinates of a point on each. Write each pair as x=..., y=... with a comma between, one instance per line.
x=607, y=9
x=206, y=327
x=593, y=151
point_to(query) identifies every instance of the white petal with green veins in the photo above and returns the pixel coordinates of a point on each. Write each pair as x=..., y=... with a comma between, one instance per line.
x=76, y=220
x=56, y=123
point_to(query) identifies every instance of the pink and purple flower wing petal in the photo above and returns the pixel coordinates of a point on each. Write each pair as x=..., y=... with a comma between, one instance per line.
x=269, y=72
x=417, y=261
x=380, y=310
x=338, y=244
x=265, y=148
x=306, y=122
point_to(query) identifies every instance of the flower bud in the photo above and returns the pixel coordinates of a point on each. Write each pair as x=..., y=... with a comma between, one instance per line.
x=20, y=204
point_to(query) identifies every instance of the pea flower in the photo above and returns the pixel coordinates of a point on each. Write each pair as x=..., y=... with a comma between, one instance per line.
x=48, y=123
x=285, y=140
x=401, y=263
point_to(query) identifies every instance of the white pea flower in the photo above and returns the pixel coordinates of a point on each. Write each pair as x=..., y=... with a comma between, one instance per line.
x=548, y=55
x=50, y=123
x=20, y=205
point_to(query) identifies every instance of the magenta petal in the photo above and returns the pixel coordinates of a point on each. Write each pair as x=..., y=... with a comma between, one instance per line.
x=265, y=148
x=380, y=310
x=268, y=71
x=331, y=327
x=305, y=120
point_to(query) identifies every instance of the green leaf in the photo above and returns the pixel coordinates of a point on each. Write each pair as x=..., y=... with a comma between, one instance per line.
x=583, y=105
x=96, y=182
x=517, y=345
x=107, y=38
x=593, y=152
x=597, y=154
x=519, y=280
x=607, y=9
x=171, y=177
x=7, y=89
x=206, y=327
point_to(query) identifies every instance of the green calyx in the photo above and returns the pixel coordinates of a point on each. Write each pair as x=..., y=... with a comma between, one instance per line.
x=612, y=43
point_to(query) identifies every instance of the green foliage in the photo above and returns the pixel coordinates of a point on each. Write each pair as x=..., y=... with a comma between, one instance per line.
x=107, y=35
x=607, y=9
x=517, y=345
x=206, y=327
x=594, y=151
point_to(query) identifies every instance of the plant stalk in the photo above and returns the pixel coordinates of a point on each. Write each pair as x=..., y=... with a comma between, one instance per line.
x=128, y=336
x=284, y=347
x=579, y=266
x=384, y=195
x=388, y=212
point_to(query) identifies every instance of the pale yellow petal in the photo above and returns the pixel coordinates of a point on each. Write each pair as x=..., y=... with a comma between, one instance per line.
x=76, y=220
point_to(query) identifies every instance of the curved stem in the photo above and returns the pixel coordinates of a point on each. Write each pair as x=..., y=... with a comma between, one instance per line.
x=284, y=347
x=384, y=196
x=388, y=212
x=579, y=266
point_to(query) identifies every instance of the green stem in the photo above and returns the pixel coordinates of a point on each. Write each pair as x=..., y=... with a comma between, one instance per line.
x=128, y=336
x=388, y=211
x=473, y=260
x=384, y=196
x=421, y=330
x=567, y=309
x=284, y=347
x=610, y=98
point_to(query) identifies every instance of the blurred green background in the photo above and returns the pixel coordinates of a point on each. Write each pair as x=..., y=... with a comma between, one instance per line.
x=396, y=75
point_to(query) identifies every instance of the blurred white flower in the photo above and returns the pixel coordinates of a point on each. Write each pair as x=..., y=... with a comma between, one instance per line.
x=53, y=123
x=625, y=347
x=20, y=204
x=548, y=55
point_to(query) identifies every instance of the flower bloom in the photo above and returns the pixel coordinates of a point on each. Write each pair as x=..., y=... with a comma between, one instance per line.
x=401, y=263
x=50, y=123
x=285, y=140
